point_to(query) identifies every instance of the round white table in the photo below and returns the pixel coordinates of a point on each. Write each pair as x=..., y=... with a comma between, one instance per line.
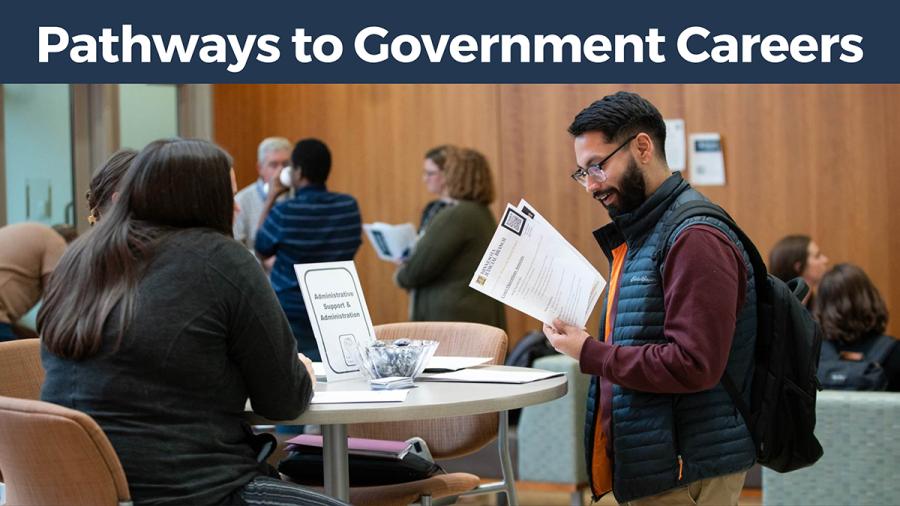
x=430, y=399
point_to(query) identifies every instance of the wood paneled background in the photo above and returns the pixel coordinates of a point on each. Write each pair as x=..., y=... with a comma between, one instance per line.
x=822, y=160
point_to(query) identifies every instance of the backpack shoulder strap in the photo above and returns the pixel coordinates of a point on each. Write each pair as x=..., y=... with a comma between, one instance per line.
x=697, y=208
x=883, y=347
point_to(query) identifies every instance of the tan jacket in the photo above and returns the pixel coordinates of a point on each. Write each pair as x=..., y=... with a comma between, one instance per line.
x=28, y=251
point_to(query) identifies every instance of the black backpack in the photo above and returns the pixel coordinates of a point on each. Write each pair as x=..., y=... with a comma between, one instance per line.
x=781, y=416
x=838, y=371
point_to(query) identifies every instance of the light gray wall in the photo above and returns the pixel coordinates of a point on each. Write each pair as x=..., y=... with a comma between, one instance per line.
x=38, y=152
x=147, y=112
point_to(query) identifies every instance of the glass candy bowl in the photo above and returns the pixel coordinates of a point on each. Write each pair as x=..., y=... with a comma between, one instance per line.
x=397, y=358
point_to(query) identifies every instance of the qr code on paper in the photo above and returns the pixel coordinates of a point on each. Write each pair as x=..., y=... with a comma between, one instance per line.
x=514, y=222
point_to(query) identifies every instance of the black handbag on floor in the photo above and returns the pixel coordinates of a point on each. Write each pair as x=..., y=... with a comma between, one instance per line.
x=371, y=462
x=305, y=468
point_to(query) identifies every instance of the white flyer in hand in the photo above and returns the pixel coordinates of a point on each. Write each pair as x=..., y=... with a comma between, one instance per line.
x=338, y=313
x=529, y=266
x=391, y=242
x=529, y=210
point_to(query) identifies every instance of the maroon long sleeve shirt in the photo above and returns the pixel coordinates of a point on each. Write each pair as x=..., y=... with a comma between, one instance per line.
x=704, y=285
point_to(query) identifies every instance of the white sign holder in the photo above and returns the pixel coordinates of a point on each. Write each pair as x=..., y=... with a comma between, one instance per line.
x=338, y=314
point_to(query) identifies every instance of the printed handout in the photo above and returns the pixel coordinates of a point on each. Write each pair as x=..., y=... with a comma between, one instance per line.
x=531, y=267
x=391, y=242
x=450, y=364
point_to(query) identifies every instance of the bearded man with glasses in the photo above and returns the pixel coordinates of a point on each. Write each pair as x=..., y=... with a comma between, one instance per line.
x=660, y=428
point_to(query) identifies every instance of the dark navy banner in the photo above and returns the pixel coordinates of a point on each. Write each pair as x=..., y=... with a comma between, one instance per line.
x=450, y=42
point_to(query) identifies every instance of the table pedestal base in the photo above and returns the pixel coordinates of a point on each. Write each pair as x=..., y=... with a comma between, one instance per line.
x=336, y=461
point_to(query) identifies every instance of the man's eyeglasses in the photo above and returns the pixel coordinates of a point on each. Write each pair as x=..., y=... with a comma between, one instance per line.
x=596, y=170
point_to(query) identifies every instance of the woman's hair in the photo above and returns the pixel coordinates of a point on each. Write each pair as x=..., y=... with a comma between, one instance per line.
x=848, y=306
x=787, y=260
x=438, y=154
x=105, y=182
x=172, y=184
x=468, y=176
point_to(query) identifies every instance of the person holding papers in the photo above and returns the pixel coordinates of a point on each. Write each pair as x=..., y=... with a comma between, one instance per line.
x=448, y=253
x=660, y=427
x=394, y=243
x=160, y=326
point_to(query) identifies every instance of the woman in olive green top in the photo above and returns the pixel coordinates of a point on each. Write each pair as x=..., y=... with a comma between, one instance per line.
x=446, y=256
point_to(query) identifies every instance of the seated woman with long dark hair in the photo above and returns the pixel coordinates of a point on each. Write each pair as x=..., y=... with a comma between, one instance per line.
x=103, y=189
x=159, y=326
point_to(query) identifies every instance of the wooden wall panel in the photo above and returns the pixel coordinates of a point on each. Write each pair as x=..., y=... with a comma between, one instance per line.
x=378, y=136
x=814, y=159
x=811, y=160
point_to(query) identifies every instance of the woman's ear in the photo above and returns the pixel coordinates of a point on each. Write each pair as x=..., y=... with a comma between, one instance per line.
x=797, y=268
x=115, y=197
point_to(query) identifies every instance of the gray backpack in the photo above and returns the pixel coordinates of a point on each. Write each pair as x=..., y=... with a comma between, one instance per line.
x=855, y=371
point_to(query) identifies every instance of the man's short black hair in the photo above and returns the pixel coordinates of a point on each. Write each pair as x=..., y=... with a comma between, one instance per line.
x=621, y=115
x=313, y=159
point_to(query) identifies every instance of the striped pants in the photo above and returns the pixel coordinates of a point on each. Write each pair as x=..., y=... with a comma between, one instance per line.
x=266, y=491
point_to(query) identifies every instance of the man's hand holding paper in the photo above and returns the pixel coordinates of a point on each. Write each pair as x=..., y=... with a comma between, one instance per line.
x=565, y=338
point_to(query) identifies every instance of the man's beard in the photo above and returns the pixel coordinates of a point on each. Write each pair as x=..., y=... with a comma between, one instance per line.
x=632, y=191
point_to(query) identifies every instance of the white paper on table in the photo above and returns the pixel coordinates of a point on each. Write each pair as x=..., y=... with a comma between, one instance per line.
x=529, y=266
x=448, y=364
x=391, y=242
x=354, y=396
x=338, y=314
x=488, y=375
x=707, y=161
x=675, y=153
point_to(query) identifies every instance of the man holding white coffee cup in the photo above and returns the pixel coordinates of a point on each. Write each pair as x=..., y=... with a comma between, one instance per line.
x=273, y=156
